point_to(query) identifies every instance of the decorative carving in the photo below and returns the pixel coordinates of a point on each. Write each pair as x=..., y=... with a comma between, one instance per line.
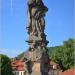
x=36, y=13
x=37, y=38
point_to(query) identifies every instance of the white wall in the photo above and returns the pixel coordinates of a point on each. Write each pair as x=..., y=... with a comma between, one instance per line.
x=19, y=72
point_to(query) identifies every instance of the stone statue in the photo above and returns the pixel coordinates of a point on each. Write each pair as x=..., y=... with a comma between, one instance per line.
x=36, y=13
x=37, y=38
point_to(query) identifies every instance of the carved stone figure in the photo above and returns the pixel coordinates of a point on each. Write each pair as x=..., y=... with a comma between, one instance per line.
x=37, y=38
x=36, y=13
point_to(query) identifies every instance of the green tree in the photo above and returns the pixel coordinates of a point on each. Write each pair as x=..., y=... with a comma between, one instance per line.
x=5, y=64
x=65, y=53
x=68, y=54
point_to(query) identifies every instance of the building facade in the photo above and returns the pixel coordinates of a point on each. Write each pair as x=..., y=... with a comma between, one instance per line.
x=18, y=67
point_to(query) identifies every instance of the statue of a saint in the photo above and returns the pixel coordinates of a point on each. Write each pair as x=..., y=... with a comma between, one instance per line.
x=36, y=13
x=37, y=38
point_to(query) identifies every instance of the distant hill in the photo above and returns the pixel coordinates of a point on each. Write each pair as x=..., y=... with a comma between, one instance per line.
x=23, y=54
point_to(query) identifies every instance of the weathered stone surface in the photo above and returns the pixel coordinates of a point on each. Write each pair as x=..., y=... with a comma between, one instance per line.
x=37, y=38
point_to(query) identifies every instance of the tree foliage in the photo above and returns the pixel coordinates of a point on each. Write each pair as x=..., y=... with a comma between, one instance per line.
x=64, y=53
x=5, y=64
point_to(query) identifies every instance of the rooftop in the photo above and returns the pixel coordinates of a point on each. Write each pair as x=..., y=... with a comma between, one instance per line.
x=18, y=65
x=69, y=72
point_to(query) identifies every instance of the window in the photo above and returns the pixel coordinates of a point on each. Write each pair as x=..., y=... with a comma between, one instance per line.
x=24, y=73
x=17, y=73
x=21, y=73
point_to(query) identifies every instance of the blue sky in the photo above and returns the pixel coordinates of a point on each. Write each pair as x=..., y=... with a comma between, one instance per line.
x=13, y=22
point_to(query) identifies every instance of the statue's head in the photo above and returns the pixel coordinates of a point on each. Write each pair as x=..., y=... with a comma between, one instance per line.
x=31, y=1
x=34, y=1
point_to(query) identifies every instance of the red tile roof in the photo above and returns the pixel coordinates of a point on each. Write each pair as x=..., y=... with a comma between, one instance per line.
x=68, y=72
x=18, y=65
